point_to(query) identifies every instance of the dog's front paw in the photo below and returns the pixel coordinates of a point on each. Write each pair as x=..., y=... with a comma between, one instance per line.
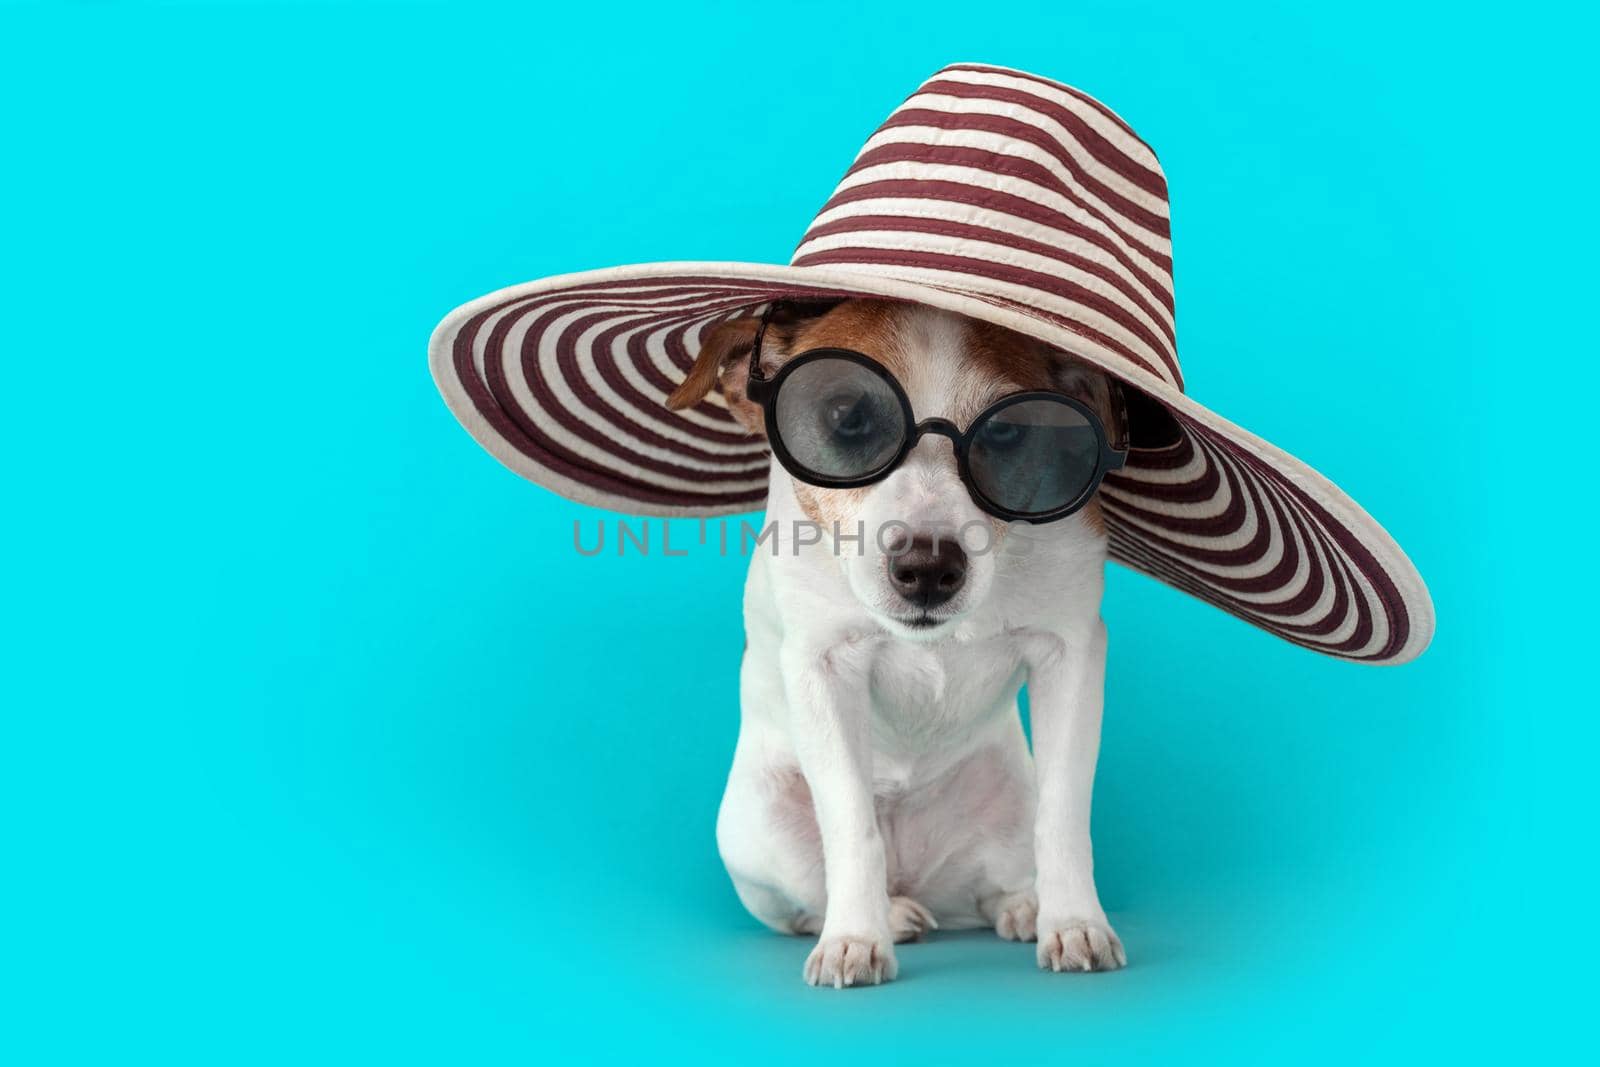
x=1017, y=915
x=1079, y=945
x=849, y=961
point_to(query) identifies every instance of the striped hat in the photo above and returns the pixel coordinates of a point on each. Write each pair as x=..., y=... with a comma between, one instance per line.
x=998, y=195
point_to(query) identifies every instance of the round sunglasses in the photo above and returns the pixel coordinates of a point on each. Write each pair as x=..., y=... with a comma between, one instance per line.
x=837, y=419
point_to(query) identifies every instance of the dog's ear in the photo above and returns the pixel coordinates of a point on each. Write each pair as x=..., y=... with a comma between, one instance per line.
x=721, y=346
x=723, y=364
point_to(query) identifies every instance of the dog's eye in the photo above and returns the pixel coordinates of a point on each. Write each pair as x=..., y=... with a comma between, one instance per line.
x=848, y=416
x=1001, y=434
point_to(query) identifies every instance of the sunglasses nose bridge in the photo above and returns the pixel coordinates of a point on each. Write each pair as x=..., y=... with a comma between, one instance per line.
x=938, y=428
x=929, y=466
x=943, y=427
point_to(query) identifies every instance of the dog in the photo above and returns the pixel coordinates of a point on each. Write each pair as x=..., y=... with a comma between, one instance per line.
x=882, y=785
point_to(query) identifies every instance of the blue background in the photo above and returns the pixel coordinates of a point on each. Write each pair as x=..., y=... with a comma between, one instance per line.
x=321, y=742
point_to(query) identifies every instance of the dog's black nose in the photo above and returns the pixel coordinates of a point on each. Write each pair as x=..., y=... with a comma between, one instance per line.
x=928, y=573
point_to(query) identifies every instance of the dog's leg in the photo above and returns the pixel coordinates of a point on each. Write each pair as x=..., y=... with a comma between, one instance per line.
x=767, y=834
x=827, y=691
x=1066, y=690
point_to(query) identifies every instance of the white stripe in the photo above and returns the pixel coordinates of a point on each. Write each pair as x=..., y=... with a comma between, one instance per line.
x=996, y=219
x=588, y=366
x=1356, y=583
x=1139, y=554
x=1235, y=539
x=1002, y=255
x=1035, y=298
x=1136, y=150
x=1010, y=185
x=656, y=350
x=523, y=396
x=651, y=297
x=1309, y=553
x=1086, y=161
x=1191, y=471
x=655, y=347
x=675, y=300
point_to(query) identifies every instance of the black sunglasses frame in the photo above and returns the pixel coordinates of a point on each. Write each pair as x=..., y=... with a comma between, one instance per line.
x=764, y=391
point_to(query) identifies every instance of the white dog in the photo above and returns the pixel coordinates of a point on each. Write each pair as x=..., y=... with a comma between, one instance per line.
x=882, y=784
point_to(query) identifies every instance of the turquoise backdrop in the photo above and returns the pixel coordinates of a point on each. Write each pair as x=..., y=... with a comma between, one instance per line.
x=322, y=745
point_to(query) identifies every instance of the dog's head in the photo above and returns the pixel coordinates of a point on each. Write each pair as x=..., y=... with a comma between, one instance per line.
x=929, y=554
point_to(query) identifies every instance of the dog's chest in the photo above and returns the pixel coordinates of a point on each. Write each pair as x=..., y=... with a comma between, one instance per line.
x=929, y=697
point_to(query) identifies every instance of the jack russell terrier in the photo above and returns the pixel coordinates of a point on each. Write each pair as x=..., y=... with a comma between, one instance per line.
x=882, y=785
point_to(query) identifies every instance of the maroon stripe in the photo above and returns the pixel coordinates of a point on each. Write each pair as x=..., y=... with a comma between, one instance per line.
x=1109, y=155
x=613, y=376
x=684, y=286
x=1317, y=572
x=638, y=355
x=636, y=352
x=736, y=468
x=1350, y=551
x=645, y=367
x=1017, y=207
x=1292, y=535
x=1291, y=518
x=960, y=193
x=1069, y=90
x=1332, y=563
x=1194, y=491
x=1171, y=458
x=1132, y=553
x=547, y=453
x=682, y=358
x=1102, y=344
x=1030, y=279
x=1292, y=538
x=1135, y=553
x=1217, y=527
x=1138, y=554
x=1309, y=528
x=974, y=232
x=1346, y=598
x=1112, y=210
x=1018, y=130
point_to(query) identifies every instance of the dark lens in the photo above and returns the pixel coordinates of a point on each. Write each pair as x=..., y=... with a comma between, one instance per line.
x=1034, y=456
x=839, y=419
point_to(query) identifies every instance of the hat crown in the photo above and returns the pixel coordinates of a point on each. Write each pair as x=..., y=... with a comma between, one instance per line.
x=1021, y=190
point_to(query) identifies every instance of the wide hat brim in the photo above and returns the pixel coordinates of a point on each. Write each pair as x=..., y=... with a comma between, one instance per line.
x=564, y=380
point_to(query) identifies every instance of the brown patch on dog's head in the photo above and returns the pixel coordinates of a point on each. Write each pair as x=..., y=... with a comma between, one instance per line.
x=866, y=326
x=1021, y=362
x=1011, y=359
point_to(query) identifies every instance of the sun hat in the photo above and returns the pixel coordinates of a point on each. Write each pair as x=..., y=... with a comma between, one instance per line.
x=999, y=195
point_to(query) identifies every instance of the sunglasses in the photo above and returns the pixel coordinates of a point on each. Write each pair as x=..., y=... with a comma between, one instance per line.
x=837, y=419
